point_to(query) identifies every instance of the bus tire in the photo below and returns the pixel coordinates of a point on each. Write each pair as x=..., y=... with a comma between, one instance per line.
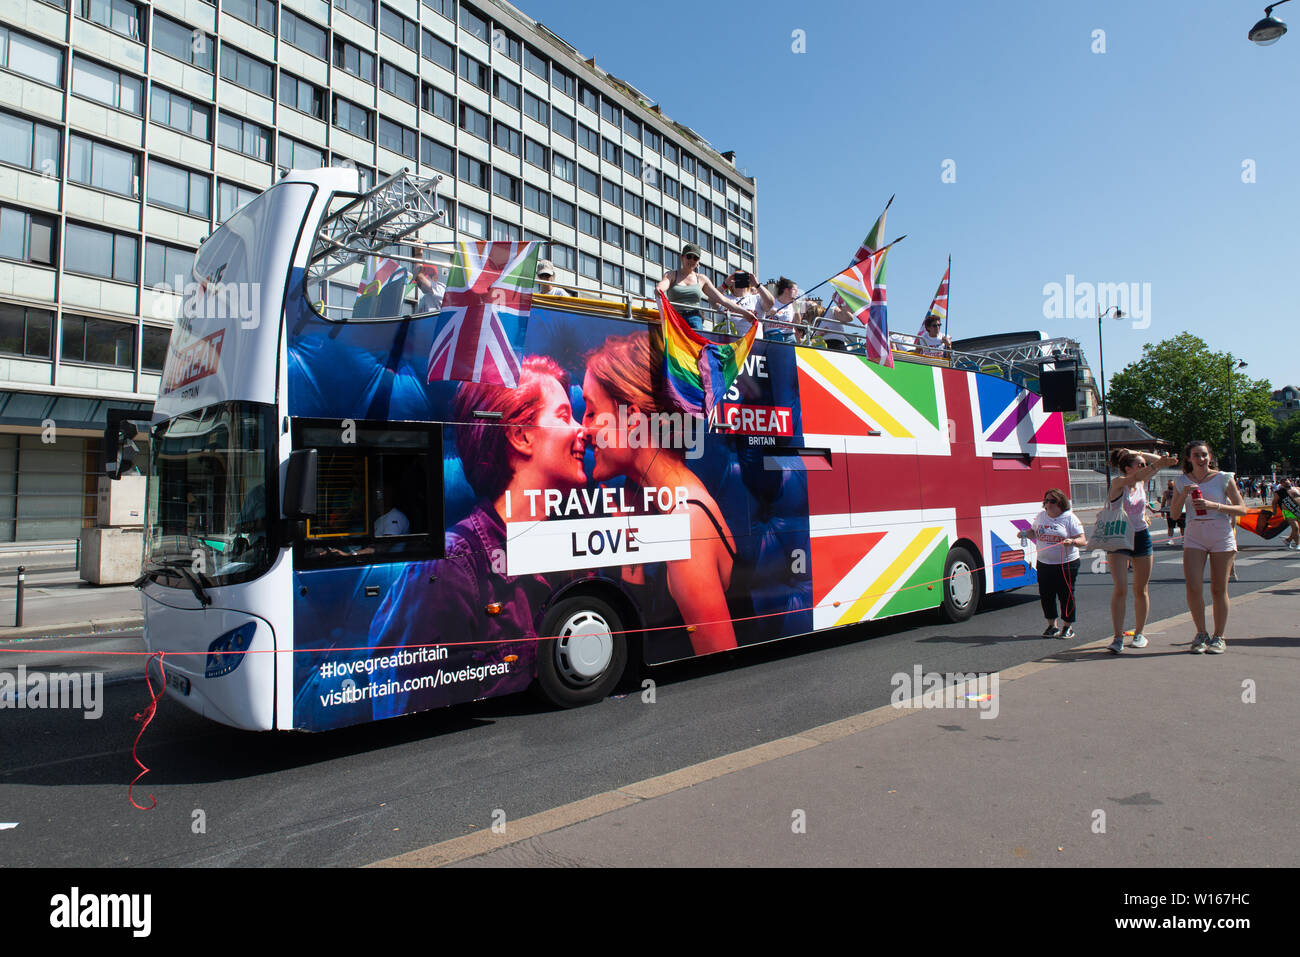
x=587, y=655
x=962, y=585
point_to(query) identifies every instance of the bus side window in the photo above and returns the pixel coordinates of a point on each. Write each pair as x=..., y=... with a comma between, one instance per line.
x=378, y=492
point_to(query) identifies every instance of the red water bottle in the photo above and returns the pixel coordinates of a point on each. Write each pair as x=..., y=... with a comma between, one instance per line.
x=1201, y=510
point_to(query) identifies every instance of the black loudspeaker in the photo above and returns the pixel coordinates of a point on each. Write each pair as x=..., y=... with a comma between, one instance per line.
x=1058, y=391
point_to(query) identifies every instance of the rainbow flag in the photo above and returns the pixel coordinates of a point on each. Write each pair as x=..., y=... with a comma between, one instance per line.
x=861, y=288
x=697, y=371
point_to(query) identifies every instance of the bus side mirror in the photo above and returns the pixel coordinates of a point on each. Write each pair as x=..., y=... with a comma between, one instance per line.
x=300, y=485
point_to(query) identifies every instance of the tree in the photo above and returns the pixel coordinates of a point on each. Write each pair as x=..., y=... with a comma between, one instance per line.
x=1179, y=390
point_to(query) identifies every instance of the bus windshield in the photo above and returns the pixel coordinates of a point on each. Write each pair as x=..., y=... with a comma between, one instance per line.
x=207, y=507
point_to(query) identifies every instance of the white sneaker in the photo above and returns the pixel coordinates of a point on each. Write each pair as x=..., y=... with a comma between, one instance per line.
x=1217, y=646
x=1139, y=640
x=1199, y=643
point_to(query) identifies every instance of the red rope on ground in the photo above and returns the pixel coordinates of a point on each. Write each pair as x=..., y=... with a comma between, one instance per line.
x=145, y=717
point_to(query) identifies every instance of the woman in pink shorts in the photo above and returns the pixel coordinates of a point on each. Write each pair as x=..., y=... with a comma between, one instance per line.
x=1212, y=499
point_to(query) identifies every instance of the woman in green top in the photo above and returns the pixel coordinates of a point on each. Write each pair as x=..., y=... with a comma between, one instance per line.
x=686, y=289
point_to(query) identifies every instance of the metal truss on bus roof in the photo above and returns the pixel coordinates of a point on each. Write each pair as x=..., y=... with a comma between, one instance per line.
x=393, y=211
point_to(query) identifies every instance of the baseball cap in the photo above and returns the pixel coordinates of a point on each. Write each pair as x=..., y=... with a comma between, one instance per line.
x=545, y=268
x=690, y=249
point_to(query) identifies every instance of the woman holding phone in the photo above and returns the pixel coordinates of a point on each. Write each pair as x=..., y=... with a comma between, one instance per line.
x=1129, y=487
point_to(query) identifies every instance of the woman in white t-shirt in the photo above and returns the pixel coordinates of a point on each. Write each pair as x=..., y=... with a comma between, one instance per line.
x=1059, y=535
x=1212, y=499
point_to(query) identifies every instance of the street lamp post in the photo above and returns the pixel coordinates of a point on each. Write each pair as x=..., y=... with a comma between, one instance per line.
x=1232, y=419
x=1101, y=359
x=1269, y=30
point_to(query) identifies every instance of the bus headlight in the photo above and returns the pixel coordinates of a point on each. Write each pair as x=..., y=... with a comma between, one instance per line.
x=226, y=653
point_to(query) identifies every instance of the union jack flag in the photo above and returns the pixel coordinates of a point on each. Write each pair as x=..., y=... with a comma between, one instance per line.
x=939, y=306
x=484, y=313
x=861, y=288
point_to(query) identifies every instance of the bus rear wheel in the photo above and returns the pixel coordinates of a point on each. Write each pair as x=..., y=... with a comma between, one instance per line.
x=962, y=584
x=587, y=655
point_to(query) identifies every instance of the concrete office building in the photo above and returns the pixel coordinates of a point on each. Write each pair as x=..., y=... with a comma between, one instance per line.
x=130, y=130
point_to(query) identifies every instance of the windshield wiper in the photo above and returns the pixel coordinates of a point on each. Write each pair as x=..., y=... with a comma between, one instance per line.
x=181, y=567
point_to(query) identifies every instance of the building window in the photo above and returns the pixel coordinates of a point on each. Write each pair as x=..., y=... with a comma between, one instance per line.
x=613, y=233
x=27, y=237
x=653, y=252
x=610, y=112
x=650, y=139
x=537, y=108
x=535, y=63
x=471, y=22
x=438, y=50
x=472, y=223
x=505, y=186
x=180, y=113
x=231, y=197
x=669, y=187
x=244, y=136
x=589, y=266
x=588, y=223
x=259, y=13
x=350, y=58
x=507, y=91
x=562, y=124
x=248, y=71
x=612, y=192
x=97, y=342
x=564, y=257
x=355, y=119
x=687, y=163
x=393, y=24
x=433, y=153
x=25, y=332
x=103, y=167
x=473, y=122
x=588, y=181
x=632, y=203
x=563, y=212
x=688, y=197
x=564, y=168
x=635, y=284
x=671, y=224
x=670, y=151
x=588, y=98
x=473, y=71
x=444, y=8
x=631, y=126
x=613, y=276
x=294, y=154
x=398, y=82
x=538, y=200
x=505, y=138
x=398, y=138
x=303, y=34
x=300, y=95
x=563, y=81
x=433, y=100
x=473, y=172
x=652, y=215
x=536, y=154
x=363, y=10
x=181, y=43
x=611, y=152
x=99, y=252
x=121, y=91
x=153, y=348
x=366, y=174
x=30, y=145
x=121, y=16
x=169, y=266
x=31, y=58
x=632, y=164
x=588, y=139
x=505, y=43
x=503, y=231
x=179, y=189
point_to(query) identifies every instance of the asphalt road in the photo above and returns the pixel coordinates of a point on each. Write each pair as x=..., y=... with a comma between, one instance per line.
x=358, y=795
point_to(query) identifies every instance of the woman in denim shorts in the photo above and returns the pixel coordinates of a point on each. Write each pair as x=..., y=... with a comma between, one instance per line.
x=1135, y=468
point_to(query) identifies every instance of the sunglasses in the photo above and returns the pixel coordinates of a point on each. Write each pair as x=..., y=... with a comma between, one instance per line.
x=690, y=256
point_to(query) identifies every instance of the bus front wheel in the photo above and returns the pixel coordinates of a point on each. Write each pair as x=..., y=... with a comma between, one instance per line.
x=962, y=585
x=584, y=654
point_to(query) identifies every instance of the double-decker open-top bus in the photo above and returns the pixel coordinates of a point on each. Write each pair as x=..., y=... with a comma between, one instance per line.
x=334, y=538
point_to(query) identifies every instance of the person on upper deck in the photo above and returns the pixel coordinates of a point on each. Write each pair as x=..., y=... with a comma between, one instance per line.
x=742, y=289
x=545, y=279
x=930, y=341
x=686, y=289
x=787, y=309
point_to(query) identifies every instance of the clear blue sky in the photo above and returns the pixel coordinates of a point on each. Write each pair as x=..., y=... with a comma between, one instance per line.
x=1124, y=166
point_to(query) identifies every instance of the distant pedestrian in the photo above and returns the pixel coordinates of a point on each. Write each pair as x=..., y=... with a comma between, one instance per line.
x=1167, y=500
x=1129, y=487
x=1214, y=498
x=1059, y=535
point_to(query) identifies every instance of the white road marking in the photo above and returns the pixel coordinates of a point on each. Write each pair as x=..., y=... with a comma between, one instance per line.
x=8, y=826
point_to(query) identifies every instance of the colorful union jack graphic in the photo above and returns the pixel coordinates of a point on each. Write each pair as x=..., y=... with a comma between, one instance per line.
x=484, y=313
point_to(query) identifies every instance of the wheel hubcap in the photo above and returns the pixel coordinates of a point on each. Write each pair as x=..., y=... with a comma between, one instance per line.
x=961, y=586
x=584, y=647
